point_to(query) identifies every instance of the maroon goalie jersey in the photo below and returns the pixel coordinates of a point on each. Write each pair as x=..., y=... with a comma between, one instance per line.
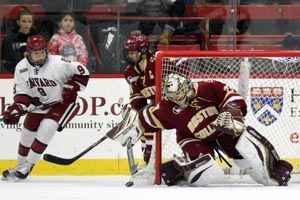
x=193, y=121
x=141, y=82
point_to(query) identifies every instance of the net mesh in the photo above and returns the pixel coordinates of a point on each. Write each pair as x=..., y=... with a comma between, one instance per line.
x=269, y=84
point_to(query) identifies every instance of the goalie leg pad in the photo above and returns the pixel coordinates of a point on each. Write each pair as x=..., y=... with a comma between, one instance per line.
x=261, y=160
x=170, y=174
x=206, y=172
x=256, y=158
x=199, y=172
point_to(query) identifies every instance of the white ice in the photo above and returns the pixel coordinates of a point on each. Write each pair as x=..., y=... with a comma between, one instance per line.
x=113, y=188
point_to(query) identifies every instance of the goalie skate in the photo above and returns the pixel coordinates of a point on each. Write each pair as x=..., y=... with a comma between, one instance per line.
x=143, y=177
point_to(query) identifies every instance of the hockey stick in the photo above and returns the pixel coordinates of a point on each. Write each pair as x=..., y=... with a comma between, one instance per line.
x=68, y=161
x=43, y=106
x=130, y=157
x=132, y=167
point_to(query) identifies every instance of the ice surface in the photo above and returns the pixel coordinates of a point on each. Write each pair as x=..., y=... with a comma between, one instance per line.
x=113, y=188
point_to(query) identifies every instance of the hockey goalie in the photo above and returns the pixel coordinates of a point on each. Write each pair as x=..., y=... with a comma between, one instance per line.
x=209, y=117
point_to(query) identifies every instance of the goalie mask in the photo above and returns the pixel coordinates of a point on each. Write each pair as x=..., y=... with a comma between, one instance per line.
x=178, y=89
x=137, y=43
x=37, y=50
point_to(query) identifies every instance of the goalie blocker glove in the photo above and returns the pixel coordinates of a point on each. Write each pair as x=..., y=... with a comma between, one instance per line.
x=127, y=128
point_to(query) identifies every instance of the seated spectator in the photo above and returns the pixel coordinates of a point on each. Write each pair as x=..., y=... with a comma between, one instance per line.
x=67, y=42
x=291, y=42
x=283, y=25
x=13, y=48
x=227, y=27
x=279, y=2
x=157, y=8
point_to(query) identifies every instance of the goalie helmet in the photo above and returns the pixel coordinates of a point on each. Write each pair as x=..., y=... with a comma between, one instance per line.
x=178, y=89
x=136, y=42
x=36, y=43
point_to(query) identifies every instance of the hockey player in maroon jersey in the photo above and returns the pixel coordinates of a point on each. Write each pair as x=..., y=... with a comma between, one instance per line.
x=209, y=117
x=140, y=76
x=41, y=78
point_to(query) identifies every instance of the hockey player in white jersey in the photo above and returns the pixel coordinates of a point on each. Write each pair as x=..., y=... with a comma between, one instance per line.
x=41, y=78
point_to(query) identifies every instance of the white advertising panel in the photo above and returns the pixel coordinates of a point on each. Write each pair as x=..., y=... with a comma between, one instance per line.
x=100, y=111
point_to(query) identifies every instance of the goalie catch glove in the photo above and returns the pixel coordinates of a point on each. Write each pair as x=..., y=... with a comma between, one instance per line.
x=127, y=128
x=230, y=120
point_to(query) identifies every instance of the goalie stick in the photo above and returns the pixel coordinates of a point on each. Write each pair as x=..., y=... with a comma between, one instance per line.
x=123, y=126
x=133, y=168
x=43, y=106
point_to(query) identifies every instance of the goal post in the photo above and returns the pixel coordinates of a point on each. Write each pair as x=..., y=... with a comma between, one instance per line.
x=269, y=80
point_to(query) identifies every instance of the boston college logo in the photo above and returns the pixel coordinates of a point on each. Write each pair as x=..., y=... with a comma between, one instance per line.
x=266, y=103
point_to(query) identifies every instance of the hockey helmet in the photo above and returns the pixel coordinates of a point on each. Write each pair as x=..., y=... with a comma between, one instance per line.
x=136, y=42
x=178, y=89
x=36, y=43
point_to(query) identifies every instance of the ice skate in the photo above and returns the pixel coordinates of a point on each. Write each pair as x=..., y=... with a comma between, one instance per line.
x=9, y=174
x=23, y=171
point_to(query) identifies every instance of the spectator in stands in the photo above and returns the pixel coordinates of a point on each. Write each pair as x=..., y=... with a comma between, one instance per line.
x=227, y=1
x=291, y=42
x=157, y=8
x=13, y=48
x=67, y=42
x=225, y=27
x=283, y=25
x=53, y=10
x=279, y=2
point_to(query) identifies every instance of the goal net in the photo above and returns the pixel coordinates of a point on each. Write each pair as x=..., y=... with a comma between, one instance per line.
x=269, y=81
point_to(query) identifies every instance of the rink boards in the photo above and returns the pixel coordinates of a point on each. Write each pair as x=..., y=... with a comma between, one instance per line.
x=100, y=111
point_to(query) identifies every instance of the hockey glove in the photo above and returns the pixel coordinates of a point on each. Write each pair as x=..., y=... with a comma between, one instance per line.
x=69, y=93
x=230, y=120
x=11, y=110
x=127, y=128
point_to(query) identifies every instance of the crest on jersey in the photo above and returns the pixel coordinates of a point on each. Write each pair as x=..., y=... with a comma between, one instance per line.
x=266, y=104
x=176, y=110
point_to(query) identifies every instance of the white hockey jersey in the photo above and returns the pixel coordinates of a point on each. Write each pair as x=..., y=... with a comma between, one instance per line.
x=46, y=83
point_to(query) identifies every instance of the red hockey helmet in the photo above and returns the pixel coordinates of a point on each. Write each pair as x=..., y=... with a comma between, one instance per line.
x=137, y=42
x=36, y=43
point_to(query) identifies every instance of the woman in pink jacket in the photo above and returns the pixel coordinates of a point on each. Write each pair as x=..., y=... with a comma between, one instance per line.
x=67, y=42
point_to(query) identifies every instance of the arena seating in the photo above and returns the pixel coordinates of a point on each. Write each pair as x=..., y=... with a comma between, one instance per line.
x=201, y=13
x=195, y=12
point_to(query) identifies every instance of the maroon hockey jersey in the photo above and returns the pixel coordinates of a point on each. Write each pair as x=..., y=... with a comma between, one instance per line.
x=193, y=121
x=141, y=83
